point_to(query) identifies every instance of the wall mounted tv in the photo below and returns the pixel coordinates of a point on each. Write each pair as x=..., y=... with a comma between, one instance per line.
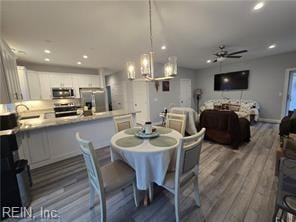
x=232, y=80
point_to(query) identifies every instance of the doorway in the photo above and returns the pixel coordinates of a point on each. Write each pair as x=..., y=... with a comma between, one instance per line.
x=185, y=93
x=141, y=101
x=289, y=93
x=108, y=88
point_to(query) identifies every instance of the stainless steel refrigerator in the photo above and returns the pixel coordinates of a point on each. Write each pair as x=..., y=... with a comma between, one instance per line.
x=93, y=97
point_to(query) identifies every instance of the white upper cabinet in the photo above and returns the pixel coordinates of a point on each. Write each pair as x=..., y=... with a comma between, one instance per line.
x=95, y=81
x=45, y=85
x=60, y=80
x=10, y=71
x=23, y=80
x=76, y=84
x=38, y=85
x=85, y=81
x=34, y=85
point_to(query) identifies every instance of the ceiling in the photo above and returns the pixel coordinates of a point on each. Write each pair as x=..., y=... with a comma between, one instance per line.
x=114, y=32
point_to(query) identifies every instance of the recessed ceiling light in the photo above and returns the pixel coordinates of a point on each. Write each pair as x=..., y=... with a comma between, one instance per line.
x=85, y=56
x=259, y=5
x=163, y=47
x=209, y=61
x=272, y=46
x=79, y=63
x=47, y=59
x=47, y=51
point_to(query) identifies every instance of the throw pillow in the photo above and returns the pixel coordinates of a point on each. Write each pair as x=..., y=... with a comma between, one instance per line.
x=245, y=107
x=234, y=107
x=209, y=105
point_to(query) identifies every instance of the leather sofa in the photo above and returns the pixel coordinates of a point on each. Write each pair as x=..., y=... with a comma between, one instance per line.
x=225, y=127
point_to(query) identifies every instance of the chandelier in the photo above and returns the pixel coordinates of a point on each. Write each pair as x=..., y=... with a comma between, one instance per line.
x=147, y=62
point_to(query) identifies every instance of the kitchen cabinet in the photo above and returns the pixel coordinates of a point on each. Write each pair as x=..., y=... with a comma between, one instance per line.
x=34, y=85
x=35, y=147
x=77, y=83
x=85, y=81
x=95, y=81
x=38, y=85
x=51, y=144
x=4, y=92
x=23, y=79
x=45, y=85
x=60, y=80
x=10, y=72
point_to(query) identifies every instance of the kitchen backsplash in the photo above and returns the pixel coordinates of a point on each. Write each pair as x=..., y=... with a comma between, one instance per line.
x=36, y=105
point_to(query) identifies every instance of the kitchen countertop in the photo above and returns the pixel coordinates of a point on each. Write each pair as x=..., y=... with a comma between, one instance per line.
x=37, y=123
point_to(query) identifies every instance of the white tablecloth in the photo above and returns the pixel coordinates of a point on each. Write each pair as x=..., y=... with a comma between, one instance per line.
x=150, y=162
x=191, y=118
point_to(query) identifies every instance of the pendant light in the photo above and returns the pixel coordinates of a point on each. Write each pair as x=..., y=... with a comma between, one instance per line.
x=147, y=61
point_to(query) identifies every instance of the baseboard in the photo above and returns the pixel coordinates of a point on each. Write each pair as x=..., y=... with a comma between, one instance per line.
x=269, y=120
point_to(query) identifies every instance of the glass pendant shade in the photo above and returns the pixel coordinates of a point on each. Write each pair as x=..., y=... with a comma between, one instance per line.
x=168, y=69
x=145, y=64
x=173, y=63
x=147, y=61
x=131, y=72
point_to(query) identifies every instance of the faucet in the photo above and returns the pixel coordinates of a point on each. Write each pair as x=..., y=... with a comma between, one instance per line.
x=17, y=106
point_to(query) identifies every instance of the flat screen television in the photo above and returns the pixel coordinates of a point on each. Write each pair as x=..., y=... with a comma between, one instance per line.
x=232, y=80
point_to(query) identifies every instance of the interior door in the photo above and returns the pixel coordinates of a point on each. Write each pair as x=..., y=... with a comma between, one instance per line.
x=141, y=101
x=185, y=92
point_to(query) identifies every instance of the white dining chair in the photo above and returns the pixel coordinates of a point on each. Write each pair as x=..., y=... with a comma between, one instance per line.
x=176, y=122
x=110, y=178
x=187, y=169
x=123, y=122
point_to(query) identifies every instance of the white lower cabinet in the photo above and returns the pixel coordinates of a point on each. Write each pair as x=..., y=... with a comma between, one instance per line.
x=34, y=146
x=48, y=145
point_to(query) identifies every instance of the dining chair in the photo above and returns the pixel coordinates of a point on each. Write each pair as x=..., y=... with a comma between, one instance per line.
x=108, y=179
x=187, y=169
x=123, y=122
x=286, y=196
x=176, y=122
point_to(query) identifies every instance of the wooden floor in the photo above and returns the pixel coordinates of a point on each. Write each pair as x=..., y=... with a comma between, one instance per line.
x=235, y=185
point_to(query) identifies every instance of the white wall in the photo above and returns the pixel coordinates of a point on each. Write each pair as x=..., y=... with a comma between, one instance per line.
x=159, y=99
x=266, y=82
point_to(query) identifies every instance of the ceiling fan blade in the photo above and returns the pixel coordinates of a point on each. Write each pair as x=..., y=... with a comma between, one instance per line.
x=234, y=57
x=238, y=52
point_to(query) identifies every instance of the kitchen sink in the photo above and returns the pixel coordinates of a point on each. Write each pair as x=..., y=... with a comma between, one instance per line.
x=29, y=117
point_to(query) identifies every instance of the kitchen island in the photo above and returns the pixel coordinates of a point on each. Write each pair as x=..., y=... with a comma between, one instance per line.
x=45, y=141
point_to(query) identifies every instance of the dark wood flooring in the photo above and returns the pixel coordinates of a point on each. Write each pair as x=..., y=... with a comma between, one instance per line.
x=235, y=185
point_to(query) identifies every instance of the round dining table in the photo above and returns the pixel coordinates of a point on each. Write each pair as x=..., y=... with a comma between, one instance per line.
x=150, y=158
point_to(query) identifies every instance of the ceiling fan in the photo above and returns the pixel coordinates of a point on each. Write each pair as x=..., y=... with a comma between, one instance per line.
x=223, y=54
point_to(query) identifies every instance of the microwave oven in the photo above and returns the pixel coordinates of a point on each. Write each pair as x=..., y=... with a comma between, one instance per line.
x=59, y=93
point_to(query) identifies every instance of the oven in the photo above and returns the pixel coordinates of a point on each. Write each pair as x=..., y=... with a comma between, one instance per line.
x=59, y=93
x=68, y=109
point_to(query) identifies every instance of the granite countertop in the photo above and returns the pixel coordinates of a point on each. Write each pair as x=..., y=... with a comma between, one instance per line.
x=37, y=123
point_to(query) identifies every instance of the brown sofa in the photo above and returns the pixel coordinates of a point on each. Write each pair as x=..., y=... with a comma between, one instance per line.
x=225, y=127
